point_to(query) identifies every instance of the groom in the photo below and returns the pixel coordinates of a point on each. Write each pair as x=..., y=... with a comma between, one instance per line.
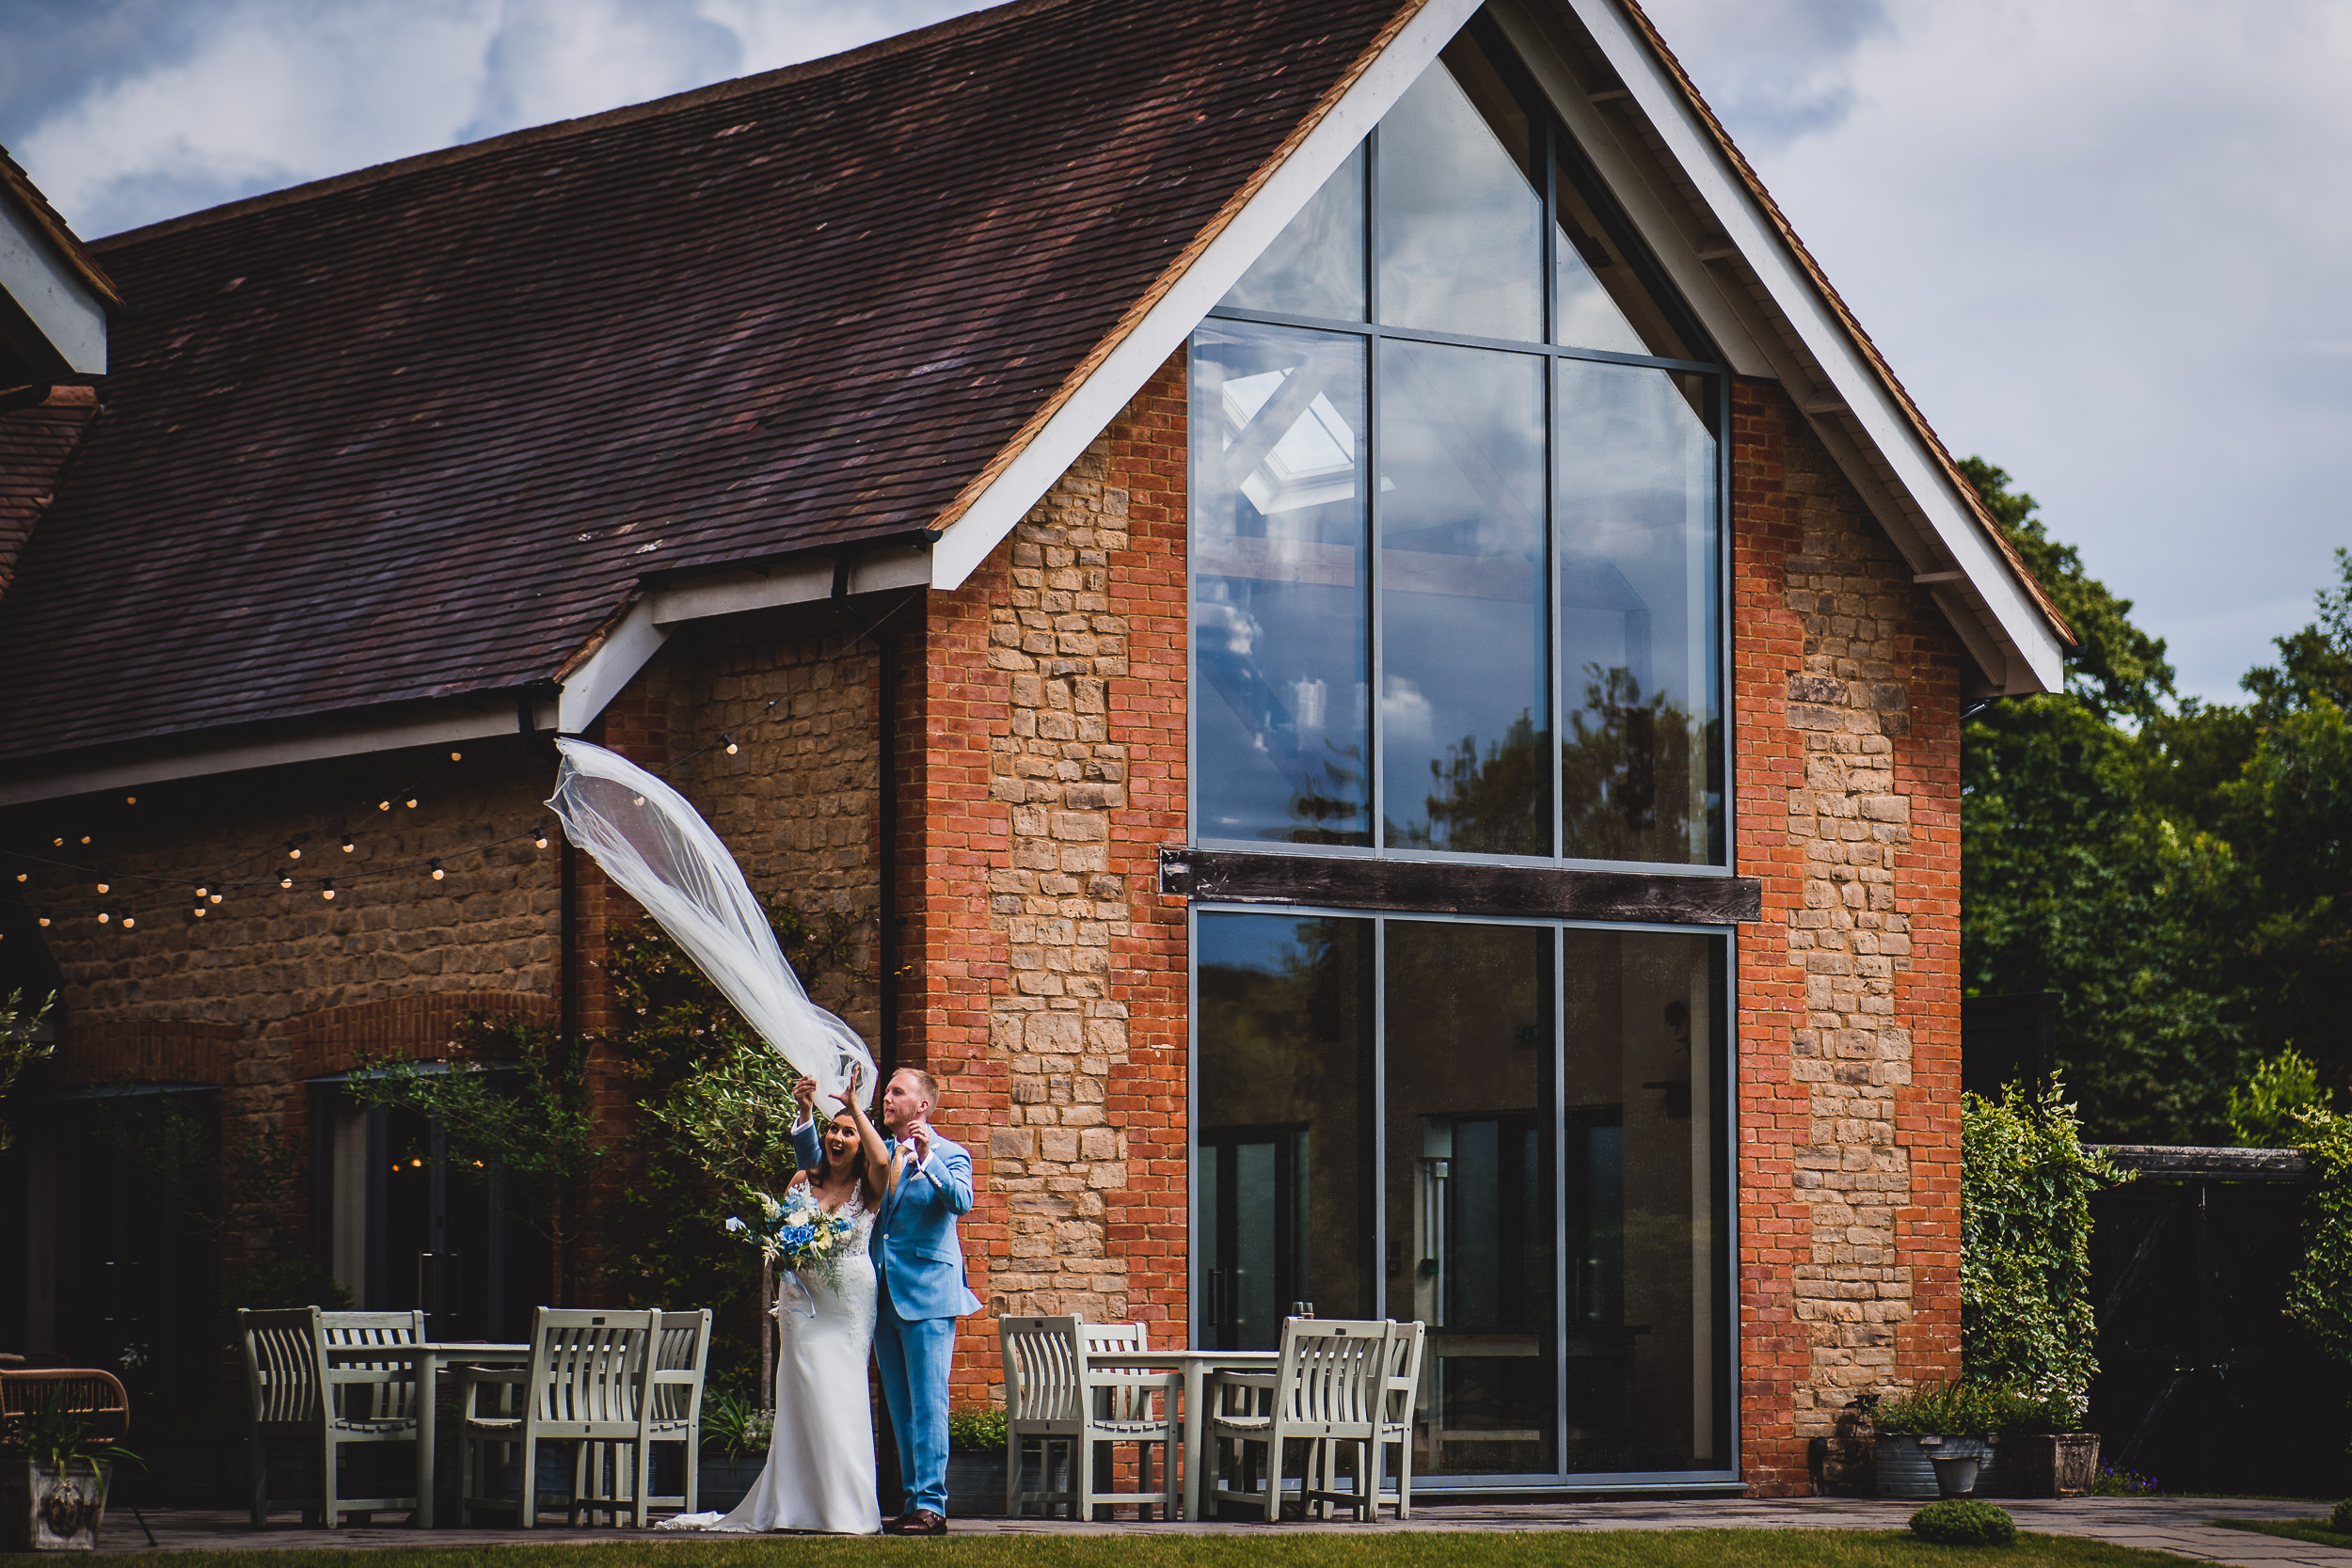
x=919, y=1264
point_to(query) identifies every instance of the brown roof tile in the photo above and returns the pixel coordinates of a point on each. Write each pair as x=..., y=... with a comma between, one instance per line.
x=35, y=442
x=413, y=433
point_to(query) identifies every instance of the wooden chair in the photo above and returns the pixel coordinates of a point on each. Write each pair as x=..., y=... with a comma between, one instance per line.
x=1131, y=1405
x=673, y=1409
x=1329, y=1388
x=1403, y=1394
x=586, y=1384
x=295, y=1391
x=1052, y=1397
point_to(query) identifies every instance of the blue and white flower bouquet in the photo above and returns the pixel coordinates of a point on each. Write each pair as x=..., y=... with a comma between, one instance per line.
x=797, y=1236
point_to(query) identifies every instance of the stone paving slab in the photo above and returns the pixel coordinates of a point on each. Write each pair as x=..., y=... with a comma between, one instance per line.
x=2176, y=1525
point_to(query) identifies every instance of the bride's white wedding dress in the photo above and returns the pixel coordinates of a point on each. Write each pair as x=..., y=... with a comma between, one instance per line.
x=820, y=1463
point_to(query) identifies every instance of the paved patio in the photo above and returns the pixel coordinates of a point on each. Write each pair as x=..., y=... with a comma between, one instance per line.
x=2163, y=1524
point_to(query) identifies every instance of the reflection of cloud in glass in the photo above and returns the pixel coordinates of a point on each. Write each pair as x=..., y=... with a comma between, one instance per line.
x=1314, y=461
x=1405, y=712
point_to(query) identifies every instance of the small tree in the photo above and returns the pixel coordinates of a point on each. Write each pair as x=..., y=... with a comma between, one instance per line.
x=19, y=1050
x=2026, y=1315
x=534, y=1120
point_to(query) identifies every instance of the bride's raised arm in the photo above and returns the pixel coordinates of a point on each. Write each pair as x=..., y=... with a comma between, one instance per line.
x=877, y=1152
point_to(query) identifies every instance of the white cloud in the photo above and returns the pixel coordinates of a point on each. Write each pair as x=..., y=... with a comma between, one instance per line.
x=2104, y=246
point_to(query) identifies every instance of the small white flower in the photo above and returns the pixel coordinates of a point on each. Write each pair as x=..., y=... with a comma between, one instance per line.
x=734, y=1224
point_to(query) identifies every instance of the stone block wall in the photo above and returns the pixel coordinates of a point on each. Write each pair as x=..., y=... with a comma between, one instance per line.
x=1847, y=772
x=1047, y=975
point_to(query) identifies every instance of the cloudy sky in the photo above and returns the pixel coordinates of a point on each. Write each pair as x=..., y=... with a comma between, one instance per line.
x=2106, y=244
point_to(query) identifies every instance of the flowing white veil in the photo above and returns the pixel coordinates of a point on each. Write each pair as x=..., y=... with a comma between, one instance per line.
x=657, y=846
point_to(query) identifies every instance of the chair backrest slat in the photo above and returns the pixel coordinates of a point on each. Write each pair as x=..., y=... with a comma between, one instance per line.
x=1044, y=1368
x=1334, y=1373
x=681, y=1352
x=589, y=1368
x=283, y=1363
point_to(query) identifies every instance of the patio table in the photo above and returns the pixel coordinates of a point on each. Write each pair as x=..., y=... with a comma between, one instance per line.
x=431, y=1357
x=1194, y=1365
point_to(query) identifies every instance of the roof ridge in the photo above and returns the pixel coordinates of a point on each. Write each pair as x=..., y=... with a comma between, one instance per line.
x=1844, y=312
x=652, y=108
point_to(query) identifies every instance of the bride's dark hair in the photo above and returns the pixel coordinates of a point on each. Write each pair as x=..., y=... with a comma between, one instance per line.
x=857, y=1151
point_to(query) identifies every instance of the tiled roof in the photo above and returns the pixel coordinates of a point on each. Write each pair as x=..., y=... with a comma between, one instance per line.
x=18, y=186
x=35, y=443
x=414, y=432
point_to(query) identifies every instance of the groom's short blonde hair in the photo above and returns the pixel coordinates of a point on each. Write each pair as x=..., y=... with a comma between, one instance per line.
x=924, y=1081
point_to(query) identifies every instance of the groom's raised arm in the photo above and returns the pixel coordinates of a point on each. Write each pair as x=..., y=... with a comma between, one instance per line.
x=950, y=1171
x=805, y=1154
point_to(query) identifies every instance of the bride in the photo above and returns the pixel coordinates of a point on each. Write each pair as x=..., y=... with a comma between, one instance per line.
x=821, y=1462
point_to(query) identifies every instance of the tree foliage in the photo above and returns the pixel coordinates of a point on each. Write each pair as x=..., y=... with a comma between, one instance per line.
x=2319, y=1297
x=2176, y=871
x=2026, y=1182
x=19, y=1050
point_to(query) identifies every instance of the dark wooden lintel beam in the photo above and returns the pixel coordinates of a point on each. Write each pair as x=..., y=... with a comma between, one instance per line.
x=1445, y=887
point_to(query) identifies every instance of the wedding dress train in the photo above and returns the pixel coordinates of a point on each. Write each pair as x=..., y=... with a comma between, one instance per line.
x=821, y=1462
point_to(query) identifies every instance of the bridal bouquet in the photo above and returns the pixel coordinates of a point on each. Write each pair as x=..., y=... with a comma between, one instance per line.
x=797, y=1236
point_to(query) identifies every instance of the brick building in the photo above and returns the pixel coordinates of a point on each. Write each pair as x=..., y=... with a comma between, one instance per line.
x=1543, y=923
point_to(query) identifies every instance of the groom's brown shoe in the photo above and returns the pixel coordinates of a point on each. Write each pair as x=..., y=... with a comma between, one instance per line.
x=921, y=1522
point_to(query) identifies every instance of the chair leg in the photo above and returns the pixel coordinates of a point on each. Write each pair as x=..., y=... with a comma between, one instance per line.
x=693, y=1474
x=1012, y=1476
x=1405, y=1475
x=527, y=1487
x=645, y=1479
x=1168, y=1487
x=326, y=1485
x=1274, y=1476
x=261, y=1485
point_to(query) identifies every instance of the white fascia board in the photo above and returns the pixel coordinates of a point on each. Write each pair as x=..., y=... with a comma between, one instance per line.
x=630, y=646
x=626, y=649
x=1188, y=300
x=2020, y=621
x=45, y=289
x=311, y=745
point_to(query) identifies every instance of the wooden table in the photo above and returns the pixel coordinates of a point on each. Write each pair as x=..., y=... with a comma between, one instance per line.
x=431, y=1357
x=1194, y=1365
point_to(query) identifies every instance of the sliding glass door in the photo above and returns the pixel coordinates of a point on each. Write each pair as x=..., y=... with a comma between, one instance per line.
x=1512, y=1132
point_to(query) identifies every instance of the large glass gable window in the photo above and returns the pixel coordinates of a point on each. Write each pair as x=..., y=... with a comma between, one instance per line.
x=1456, y=496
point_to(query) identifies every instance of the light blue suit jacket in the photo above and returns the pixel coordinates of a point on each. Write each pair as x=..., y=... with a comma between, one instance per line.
x=915, y=1245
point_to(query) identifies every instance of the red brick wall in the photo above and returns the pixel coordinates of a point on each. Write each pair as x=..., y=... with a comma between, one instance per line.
x=1041, y=764
x=1846, y=687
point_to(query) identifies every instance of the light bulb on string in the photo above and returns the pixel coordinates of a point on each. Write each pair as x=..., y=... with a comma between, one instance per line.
x=104, y=915
x=22, y=874
x=128, y=921
x=200, y=911
x=540, y=838
x=437, y=871
x=293, y=850
x=730, y=740
x=130, y=800
x=105, y=887
x=457, y=756
x=86, y=838
x=58, y=842
x=383, y=805
x=286, y=880
x=200, y=891
x=412, y=802
x=328, y=891
x=212, y=897
x=43, y=917
x=347, y=846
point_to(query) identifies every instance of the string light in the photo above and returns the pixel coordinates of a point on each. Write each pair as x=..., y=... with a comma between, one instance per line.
x=457, y=756
x=213, y=898
x=730, y=740
x=328, y=891
x=540, y=838
x=412, y=802
x=44, y=918
x=104, y=888
x=293, y=850
x=437, y=871
x=346, y=844
x=128, y=921
x=201, y=890
x=22, y=874
x=130, y=800
x=383, y=805
x=58, y=842
x=286, y=880
x=104, y=916
x=200, y=911
x=86, y=838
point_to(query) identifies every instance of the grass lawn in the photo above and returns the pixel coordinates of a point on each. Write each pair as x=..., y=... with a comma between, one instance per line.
x=1682, y=1549
x=2313, y=1531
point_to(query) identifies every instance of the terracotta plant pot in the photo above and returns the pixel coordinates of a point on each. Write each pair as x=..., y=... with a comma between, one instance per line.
x=43, y=1510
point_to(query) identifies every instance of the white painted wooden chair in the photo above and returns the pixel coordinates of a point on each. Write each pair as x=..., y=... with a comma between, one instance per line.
x=587, y=1383
x=296, y=1392
x=1052, y=1399
x=1329, y=1389
x=1405, y=1342
x=673, y=1404
x=1131, y=1405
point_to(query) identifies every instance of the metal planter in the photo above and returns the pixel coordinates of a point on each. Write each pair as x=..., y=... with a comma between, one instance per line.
x=43, y=1510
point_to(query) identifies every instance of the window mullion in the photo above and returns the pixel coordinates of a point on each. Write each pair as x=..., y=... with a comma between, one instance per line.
x=1373, y=621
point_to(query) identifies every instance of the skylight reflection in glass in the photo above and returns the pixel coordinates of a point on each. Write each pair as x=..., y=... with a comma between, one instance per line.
x=1281, y=648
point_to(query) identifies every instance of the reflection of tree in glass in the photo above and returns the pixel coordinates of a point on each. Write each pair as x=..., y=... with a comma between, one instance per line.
x=1331, y=805
x=1625, y=777
x=1492, y=805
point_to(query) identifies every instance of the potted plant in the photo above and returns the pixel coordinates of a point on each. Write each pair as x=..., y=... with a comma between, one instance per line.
x=53, y=1481
x=736, y=1435
x=2047, y=1456
x=975, y=1462
x=1945, y=1440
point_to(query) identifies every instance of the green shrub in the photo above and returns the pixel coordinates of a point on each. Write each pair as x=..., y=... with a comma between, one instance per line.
x=1963, y=1522
x=1962, y=1410
x=2341, y=1520
x=976, y=1431
x=2027, y=1181
x=735, y=1425
x=2319, y=1297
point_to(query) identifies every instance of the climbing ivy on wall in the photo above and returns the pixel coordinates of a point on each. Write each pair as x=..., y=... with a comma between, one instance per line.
x=2027, y=1321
